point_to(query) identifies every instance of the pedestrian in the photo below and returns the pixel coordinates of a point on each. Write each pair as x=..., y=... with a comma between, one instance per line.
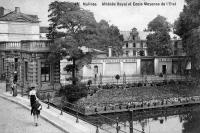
x=14, y=87
x=35, y=105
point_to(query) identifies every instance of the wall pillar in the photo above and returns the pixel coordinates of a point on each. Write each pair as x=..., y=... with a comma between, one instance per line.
x=121, y=68
x=104, y=68
x=156, y=66
x=138, y=66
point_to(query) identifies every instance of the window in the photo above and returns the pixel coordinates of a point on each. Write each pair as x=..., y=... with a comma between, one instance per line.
x=126, y=44
x=127, y=53
x=45, y=72
x=96, y=69
x=134, y=45
x=141, y=44
x=26, y=71
x=16, y=64
x=3, y=64
x=176, y=45
x=134, y=52
x=175, y=52
x=133, y=37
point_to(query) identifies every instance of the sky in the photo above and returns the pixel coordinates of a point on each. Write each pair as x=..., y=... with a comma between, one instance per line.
x=133, y=13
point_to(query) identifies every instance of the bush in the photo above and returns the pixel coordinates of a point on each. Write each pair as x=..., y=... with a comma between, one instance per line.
x=74, y=92
x=160, y=75
x=89, y=82
x=171, y=82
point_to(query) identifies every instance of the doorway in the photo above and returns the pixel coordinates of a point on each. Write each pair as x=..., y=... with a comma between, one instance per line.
x=164, y=69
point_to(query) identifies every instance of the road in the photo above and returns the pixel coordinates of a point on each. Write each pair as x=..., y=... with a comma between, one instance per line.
x=16, y=119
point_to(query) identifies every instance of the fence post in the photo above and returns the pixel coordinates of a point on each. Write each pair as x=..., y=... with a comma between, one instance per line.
x=117, y=127
x=77, y=117
x=22, y=91
x=97, y=130
x=61, y=105
x=48, y=98
x=48, y=103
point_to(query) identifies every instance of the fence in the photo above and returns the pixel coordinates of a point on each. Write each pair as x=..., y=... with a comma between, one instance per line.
x=79, y=113
x=126, y=79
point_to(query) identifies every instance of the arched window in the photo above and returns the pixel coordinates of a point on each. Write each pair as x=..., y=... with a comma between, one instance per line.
x=95, y=69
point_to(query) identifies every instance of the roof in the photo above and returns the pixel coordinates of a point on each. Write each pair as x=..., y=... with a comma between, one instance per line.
x=143, y=34
x=19, y=17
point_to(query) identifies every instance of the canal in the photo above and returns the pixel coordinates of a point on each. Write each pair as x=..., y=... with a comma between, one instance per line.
x=165, y=120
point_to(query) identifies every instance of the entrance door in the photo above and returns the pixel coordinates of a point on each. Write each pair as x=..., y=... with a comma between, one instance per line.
x=164, y=69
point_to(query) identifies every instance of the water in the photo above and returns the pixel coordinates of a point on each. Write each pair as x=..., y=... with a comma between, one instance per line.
x=168, y=120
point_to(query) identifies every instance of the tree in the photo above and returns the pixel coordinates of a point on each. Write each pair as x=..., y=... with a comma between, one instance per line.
x=187, y=27
x=109, y=36
x=67, y=22
x=71, y=28
x=73, y=92
x=158, y=42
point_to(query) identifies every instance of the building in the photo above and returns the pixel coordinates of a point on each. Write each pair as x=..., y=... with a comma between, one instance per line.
x=134, y=43
x=17, y=26
x=135, y=61
x=22, y=51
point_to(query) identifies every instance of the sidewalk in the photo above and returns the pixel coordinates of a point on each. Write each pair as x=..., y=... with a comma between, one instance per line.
x=65, y=122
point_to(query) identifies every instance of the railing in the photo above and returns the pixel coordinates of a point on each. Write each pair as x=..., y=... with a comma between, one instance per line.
x=10, y=45
x=145, y=105
x=76, y=111
x=133, y=79
x=79, y=113
x=29, y=45
x=36, y=45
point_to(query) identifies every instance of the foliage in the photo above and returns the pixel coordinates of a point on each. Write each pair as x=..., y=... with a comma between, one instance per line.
x=89, y=82
x=159, y=24
x=117, y=77
x=158, y=41
x=74, y=92
x=187, y=27
x=71, y=28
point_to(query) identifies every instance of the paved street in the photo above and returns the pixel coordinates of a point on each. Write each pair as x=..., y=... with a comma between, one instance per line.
x=16, y=119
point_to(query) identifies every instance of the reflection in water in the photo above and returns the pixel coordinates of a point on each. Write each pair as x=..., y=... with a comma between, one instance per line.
x=171, y=120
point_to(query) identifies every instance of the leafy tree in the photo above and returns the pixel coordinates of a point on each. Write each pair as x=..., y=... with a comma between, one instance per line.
x=67, y=21
x=71, y=28
x=109, y=36
x=187, y=27
x=158, y=41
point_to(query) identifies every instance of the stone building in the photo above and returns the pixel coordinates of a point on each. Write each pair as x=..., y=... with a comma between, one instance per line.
x=22, y=51
x=135, y=61
x=134, y=43
x=17, y=26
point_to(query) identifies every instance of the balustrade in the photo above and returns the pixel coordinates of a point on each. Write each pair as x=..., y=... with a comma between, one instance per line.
x=29, y=45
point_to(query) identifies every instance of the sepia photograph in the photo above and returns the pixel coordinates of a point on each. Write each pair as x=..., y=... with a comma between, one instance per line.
x=99, y=66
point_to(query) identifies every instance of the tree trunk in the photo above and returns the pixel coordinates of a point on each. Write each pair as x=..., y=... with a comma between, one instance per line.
x=73, y=72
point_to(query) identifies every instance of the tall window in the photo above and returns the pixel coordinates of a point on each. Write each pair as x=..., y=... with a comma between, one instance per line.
x=26, y=71
x=45, y=72
x=126, y=44
x=134, y=45
x=3, y=62
x=141, y=44
x=127, y=53
x=134, y=52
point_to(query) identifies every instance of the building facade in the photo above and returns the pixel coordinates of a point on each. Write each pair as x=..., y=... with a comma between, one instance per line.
x=23, y=53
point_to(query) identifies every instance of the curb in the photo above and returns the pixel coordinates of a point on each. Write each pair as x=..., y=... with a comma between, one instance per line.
x=28, y=108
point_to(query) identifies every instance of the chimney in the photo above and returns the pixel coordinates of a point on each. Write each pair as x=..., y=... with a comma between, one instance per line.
x=17, y=9
x=1, y=11
x=109, y=51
